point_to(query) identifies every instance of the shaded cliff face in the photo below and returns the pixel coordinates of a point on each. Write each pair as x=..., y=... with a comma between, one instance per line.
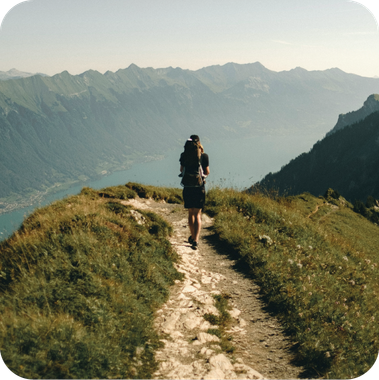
x=346, y=160
x=61, y=128
x=370, y=105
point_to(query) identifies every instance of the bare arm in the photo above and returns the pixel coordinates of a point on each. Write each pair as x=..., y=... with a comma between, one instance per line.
x=206, y=170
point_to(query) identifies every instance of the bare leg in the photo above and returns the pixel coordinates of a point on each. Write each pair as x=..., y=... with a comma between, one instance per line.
x=194, y=222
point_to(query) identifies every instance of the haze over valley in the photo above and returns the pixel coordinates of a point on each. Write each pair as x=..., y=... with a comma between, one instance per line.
x=68, y=128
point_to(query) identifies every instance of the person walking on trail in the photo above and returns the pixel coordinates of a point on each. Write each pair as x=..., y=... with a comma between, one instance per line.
x=194, y=168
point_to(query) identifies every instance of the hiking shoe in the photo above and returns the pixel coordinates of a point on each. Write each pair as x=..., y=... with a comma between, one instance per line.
x=194, y=245
x=190, y=240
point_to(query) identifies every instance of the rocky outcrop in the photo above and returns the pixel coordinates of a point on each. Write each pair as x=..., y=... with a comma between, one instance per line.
x=370, y=106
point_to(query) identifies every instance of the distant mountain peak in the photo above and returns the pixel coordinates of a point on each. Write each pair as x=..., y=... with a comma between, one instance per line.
x=16, y=74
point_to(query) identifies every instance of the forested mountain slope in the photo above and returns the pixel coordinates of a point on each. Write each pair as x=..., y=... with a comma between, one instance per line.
x=346, y=161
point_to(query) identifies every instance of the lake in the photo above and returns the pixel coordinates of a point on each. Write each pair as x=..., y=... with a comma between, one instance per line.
x=233, y=163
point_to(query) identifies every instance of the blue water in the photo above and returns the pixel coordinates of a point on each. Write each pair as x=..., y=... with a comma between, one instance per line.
x=233, y=163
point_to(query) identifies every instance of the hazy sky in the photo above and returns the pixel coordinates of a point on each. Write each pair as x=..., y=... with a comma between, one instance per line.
x=50, y=36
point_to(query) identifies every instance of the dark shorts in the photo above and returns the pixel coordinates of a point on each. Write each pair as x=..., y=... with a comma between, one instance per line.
x=194, y=197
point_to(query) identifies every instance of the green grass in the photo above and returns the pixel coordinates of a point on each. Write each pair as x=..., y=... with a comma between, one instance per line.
x=79, y=284
x=318, y=274
x=223, y=321
x=81, y=279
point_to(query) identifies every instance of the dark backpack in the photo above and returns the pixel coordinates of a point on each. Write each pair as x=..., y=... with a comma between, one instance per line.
x=192, y=175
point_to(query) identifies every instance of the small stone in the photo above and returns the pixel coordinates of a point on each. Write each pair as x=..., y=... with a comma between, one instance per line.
x=181, y=372
x=214, y=374
x=203, y=337
x=183, y=351
x=176, y=335
x=222, y=362
x=182, y=297
x=234, y=313
x=189, y=289
x=204, y=326
x=190, y=320
x=170, y=323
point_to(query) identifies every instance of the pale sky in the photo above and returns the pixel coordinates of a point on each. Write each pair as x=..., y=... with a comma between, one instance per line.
x=50, y=36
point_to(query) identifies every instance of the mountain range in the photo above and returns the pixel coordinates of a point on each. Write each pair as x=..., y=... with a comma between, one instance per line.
x=346, y=160
x=66, y=128
x=16, y=74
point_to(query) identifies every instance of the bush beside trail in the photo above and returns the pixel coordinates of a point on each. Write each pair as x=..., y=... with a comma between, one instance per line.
x=79, y=283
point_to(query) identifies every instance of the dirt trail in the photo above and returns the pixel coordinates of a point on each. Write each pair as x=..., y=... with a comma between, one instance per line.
x=189, y=352
x=333, y=208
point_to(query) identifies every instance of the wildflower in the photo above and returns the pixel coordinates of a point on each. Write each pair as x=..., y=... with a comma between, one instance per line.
x=345, y=258
x=368, y=261
x=310, y=247
x=300, y=265
x=373, y=318
x=290, y=261
x=300, y=314
x=310, y=293
x=352, y=282
x=327, y=354
x=298, y=246
x=340, y=267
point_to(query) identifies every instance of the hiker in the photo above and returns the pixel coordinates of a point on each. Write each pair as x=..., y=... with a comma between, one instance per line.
x=194, y=168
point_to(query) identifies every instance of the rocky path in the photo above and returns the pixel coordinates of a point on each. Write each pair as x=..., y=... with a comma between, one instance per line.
x=189, y=352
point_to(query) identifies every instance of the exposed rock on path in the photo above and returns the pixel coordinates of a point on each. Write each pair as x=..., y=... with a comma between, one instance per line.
x=189, y=352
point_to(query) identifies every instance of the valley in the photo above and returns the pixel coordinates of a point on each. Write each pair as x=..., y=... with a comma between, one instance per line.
x=58, y=129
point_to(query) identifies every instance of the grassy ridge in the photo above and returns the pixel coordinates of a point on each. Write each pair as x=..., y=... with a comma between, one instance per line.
x=79, y=283
x=80, y=280
x=317, y=265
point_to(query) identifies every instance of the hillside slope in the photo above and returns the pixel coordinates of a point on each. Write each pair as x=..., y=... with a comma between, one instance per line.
x=79, y=284
x=83, y=280
x=67, y=128
x=346, y=160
